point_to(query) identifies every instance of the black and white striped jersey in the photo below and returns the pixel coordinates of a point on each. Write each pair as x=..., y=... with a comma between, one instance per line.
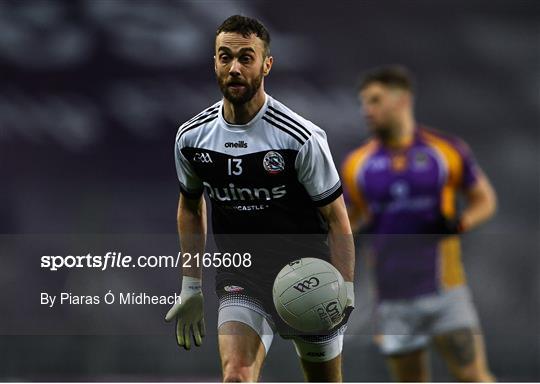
x=267, y=176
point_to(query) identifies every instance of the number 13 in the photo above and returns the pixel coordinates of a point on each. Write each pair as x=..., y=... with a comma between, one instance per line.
x=234, y=167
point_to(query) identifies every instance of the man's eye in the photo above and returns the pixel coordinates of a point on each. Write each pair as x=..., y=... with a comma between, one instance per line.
x=224, y=57
x=245, y=59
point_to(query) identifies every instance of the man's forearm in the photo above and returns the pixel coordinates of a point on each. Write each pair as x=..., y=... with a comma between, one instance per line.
x=342, y=253
x=476, y=214
x=192, y=231
x=481, y=204
x=340, y=238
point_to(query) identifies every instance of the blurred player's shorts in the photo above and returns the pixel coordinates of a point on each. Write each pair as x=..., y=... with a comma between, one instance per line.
x=407, y=325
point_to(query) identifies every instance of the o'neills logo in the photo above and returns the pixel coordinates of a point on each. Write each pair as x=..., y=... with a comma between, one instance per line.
x=238, y=144
x=234, y=193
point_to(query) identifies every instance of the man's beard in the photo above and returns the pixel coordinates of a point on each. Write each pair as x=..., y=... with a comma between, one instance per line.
x=384, y=133
x=242, y=98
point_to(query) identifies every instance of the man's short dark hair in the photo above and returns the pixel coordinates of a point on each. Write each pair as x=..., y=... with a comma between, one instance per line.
x=395, y=76
x=246, y=26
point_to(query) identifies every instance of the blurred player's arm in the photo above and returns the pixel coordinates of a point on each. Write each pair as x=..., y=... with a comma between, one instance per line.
x=481, y=203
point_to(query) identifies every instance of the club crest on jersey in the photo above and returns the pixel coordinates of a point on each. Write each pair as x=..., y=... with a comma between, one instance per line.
x=421, y=161
x=273, y=163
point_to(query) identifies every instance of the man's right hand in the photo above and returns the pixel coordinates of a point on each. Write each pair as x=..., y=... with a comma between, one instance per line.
x=189, y=313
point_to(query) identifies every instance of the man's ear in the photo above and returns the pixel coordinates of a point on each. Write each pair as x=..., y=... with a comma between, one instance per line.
x=402, y=98
x=268, y=61
x=408, y=98
x=215, y=64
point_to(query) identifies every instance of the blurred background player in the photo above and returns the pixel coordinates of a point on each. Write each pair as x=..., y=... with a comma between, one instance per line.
x=402, y=186
x=267, y=171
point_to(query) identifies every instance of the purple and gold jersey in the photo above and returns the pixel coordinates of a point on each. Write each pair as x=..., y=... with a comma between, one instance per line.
x=405, y=193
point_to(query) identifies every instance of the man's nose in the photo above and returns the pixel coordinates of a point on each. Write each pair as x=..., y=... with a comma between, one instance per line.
x=234, y=70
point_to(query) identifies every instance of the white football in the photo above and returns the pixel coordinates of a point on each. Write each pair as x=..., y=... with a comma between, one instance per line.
x=310, y=295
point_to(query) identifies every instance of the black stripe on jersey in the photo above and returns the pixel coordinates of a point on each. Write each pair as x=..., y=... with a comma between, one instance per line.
x=199, y=117
x=321, y=196
x=286, y=130
x=300, y=133
x=306, y=131
x=213, y=116
x=328, y=199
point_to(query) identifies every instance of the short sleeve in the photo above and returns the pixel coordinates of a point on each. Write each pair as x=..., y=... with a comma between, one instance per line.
x=190, y=184
x=351, y=190
x=316, y=170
